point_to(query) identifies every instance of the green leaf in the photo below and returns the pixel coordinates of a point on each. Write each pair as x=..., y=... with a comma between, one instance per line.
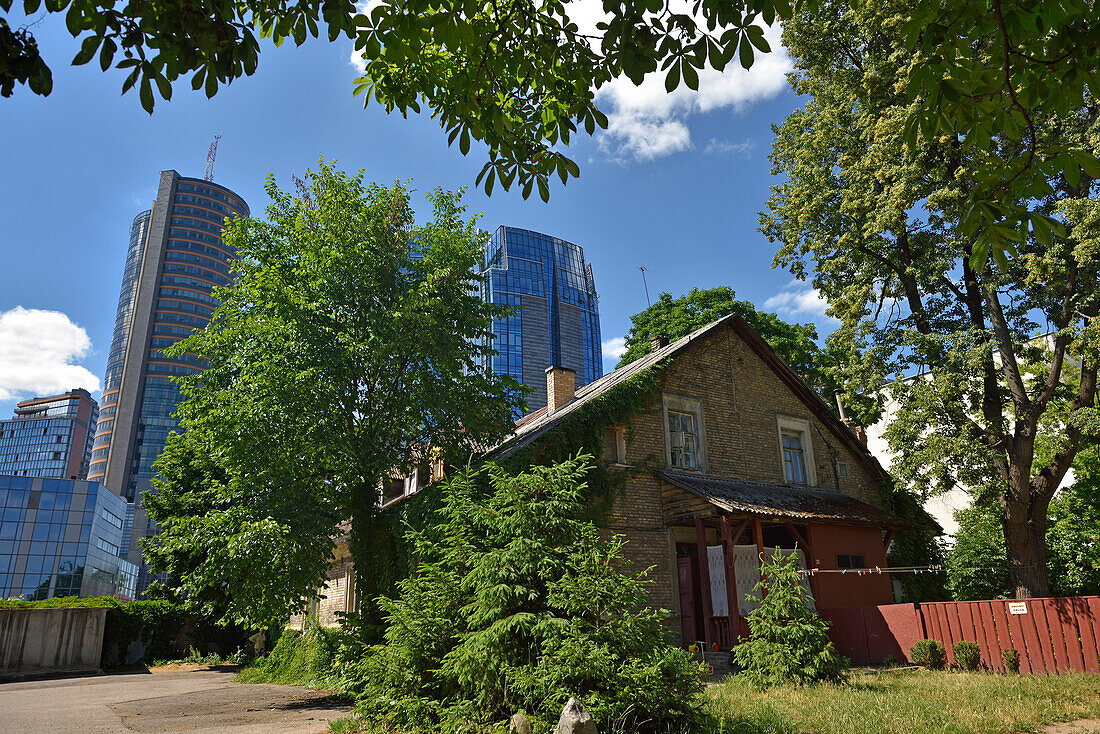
x=146, y=94
x=106, y=54
x=87, y=50
x=672, y=79
x=691, y=76
x=745, y=52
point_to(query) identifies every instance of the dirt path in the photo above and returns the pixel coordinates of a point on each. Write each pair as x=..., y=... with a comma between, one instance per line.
x=1081, y=726
x=165, y=700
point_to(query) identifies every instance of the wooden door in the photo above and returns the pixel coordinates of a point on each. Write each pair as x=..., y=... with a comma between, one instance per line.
x=687, y=575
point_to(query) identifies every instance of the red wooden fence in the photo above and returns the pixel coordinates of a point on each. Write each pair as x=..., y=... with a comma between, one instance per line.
x=1056, y=635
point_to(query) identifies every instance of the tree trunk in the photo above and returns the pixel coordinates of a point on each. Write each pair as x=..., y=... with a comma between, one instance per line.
x=368, y=555
x=1025, y=526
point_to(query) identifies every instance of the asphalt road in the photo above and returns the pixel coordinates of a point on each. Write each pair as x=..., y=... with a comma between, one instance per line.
x=164, y=700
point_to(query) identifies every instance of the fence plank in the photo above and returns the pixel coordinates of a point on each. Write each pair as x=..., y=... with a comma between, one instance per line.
x=1088, y=617
x=1038, y=637
x=987, y=636
x=1052, y=636
x=1067, y=616
x=1057, y=636
x=1016, y=632
x=932, y=621
x=951, y=630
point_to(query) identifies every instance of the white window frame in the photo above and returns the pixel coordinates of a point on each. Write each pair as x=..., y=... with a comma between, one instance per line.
x=683, y=404
x=790, y=424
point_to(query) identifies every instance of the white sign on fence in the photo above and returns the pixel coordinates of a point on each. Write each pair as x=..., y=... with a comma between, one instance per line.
x=1017, y=607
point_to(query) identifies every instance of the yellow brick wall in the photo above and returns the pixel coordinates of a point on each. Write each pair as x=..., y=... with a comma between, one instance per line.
x=741, y=399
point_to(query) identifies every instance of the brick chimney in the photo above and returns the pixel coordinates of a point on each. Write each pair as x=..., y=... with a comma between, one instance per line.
x=857, y=429
x=657, y=342
x=560, y=382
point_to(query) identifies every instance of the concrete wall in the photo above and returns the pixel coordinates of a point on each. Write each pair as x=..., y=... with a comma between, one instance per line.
x=50, y=641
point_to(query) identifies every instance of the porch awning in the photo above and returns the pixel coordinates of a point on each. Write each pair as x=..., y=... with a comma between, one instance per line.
x=783, y=501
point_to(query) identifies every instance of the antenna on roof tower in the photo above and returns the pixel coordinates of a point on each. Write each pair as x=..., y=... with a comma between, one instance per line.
x=644, y=285
x=210, y=156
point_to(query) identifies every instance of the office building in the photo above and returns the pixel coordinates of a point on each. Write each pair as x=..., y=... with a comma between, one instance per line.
x=558, y=322
x=176, y=258
x=62, y=537
x=50, y=436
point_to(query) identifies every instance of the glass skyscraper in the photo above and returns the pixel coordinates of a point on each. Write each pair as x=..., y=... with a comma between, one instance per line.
x=176, y=258
x=50, y=436
x=61, y=537
x=558, y=322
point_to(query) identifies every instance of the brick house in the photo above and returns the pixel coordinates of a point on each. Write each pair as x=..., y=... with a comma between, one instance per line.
x=727, y=453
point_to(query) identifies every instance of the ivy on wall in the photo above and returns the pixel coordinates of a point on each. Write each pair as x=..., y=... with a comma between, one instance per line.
x=580, y=432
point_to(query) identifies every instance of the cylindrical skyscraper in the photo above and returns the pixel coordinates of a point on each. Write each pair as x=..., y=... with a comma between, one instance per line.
x=175, y=261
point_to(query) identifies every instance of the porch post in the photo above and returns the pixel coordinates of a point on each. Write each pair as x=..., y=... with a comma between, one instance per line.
x=731, y=578
x=704, y=579
x=758, y=536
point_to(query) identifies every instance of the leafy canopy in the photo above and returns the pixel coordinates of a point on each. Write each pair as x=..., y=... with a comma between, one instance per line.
x=523, y=76
x=517, y=605
x=350, y=343
x=882, y=230
x=673, y=318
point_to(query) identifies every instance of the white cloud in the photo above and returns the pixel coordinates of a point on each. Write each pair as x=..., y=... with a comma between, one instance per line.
x=645, y=121
x=798, y=298
x=37, y=351
x=614, y=348
x=743, y=149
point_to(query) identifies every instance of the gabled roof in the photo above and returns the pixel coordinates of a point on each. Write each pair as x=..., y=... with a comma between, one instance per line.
x=531, y=427
x=784, y=501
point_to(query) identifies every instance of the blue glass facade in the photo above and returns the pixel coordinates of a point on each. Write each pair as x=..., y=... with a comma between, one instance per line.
x=50, y=437
x=62, y=537
x=558, y=321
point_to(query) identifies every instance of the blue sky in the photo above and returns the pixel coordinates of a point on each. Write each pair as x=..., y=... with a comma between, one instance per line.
x=675, y=186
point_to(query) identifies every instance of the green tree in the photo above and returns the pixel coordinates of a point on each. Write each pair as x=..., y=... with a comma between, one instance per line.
x=522, y=76
x=349, y=344
x=517, y=605
x=787, y=642
x=672, y=318
x=978, y=566
x=883, y=228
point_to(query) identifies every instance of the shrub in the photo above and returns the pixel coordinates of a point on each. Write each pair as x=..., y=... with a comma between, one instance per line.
x=166, y=630
x=787, y=642
x=1011, y=658
x=968, y=655
x=299, y=658
x=517, y=605
x=930, y=654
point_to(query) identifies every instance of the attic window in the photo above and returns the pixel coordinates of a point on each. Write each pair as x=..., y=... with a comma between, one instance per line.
x=796, y=451
x=842, y=470
x=683, y=440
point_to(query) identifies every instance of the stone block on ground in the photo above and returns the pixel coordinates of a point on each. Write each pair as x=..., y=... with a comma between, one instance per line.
x=575, y=719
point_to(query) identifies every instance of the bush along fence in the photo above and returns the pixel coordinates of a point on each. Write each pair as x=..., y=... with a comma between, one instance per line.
x=1052, y=635
x=148, y=630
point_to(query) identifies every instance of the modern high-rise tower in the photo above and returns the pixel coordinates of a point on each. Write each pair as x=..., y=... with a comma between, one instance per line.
x=175, y=260
x=558, y=323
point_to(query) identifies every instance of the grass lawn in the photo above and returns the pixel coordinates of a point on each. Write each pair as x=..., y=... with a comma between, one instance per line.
x=907, y=702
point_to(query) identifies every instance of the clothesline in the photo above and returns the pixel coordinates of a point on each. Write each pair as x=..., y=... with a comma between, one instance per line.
x=874, y=570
